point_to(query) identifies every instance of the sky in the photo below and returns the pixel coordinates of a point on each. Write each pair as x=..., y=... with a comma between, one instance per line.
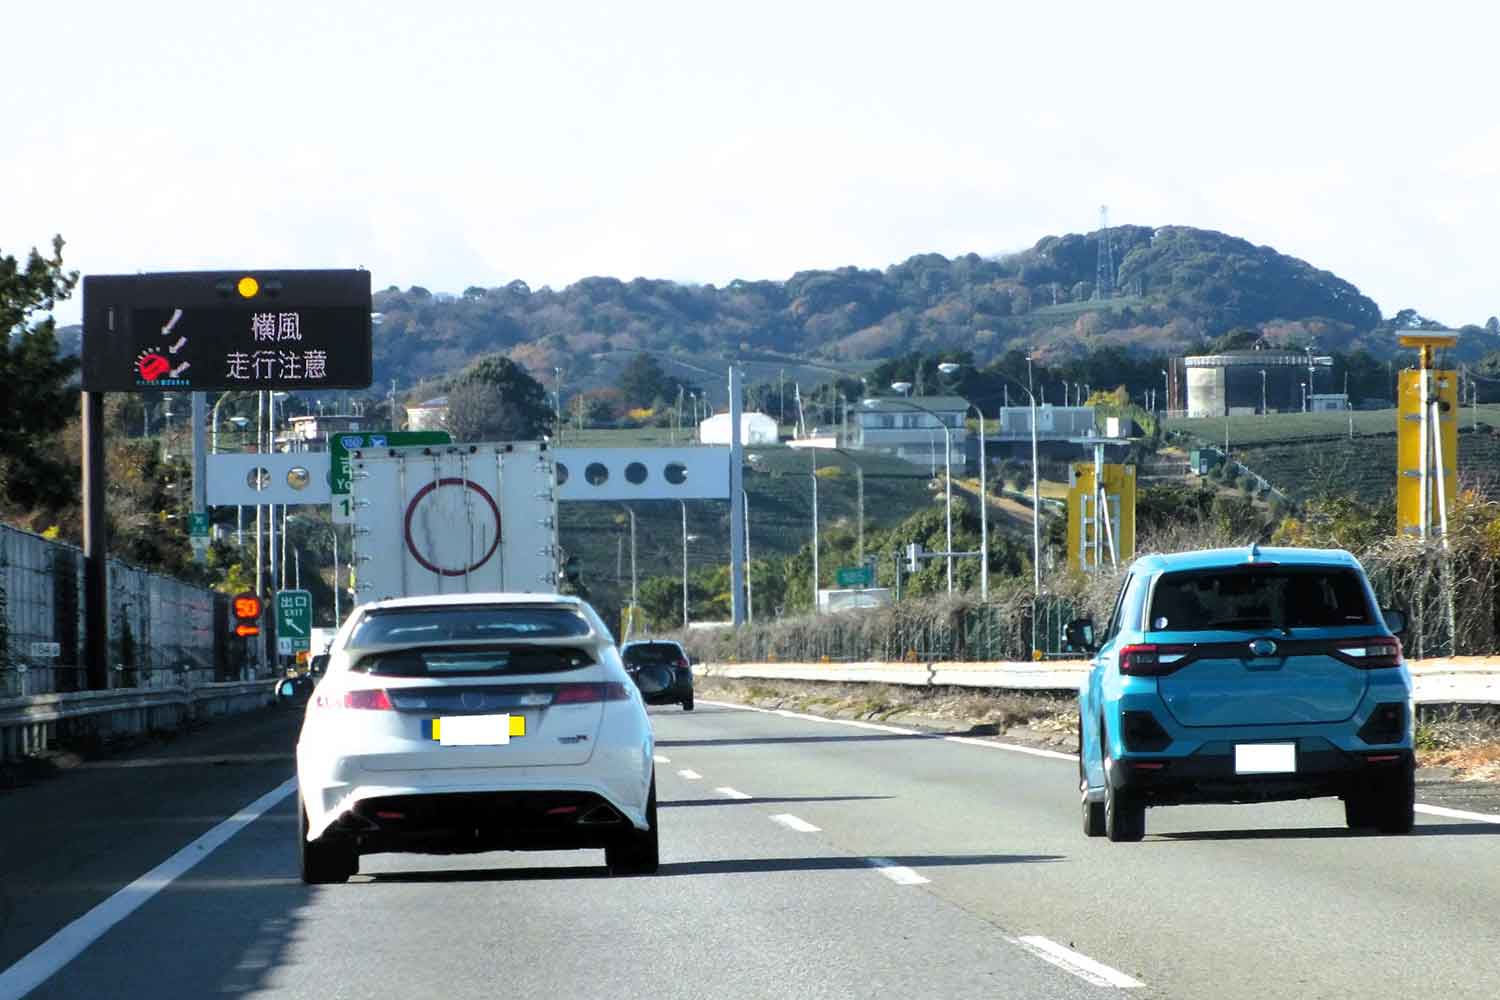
x=450, y=144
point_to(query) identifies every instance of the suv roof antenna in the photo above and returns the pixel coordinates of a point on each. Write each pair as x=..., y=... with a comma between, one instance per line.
x=1254, y=551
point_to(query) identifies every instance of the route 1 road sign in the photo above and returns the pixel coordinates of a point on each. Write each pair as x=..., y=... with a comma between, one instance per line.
x=294, y=621
x=339, y=447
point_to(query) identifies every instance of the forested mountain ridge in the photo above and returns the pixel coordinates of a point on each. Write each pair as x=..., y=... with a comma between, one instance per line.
x=1175, y=287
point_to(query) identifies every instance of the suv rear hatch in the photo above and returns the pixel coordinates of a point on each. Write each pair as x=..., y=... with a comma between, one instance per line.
x=1261, y=644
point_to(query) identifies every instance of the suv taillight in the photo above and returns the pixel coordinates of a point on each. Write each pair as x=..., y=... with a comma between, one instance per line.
x=1369, y=654
x=1150, y=660
x=580, y=694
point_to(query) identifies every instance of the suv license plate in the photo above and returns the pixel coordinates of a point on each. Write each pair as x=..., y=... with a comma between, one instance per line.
x=1265, y=758
x=477, y=730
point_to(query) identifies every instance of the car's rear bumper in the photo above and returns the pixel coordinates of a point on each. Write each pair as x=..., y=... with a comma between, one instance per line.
x=680, y=691
x=1208, y=777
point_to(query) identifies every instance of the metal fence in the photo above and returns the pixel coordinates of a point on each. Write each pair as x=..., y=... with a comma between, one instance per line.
x=162, y=632
x=1009, y=627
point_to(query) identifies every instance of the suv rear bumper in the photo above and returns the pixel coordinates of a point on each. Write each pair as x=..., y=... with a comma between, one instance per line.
x=1211, y=777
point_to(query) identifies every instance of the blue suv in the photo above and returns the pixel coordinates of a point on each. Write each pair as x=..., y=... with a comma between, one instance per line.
x=1245, y=675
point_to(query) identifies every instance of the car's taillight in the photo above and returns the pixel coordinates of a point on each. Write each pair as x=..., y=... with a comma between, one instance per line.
x=1368, y=654
x=374, y=699
x=1149, y=660
x=579, y=694
x=683, y=663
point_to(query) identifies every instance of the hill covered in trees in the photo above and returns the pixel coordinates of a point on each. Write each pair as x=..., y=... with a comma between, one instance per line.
x=1175, y=288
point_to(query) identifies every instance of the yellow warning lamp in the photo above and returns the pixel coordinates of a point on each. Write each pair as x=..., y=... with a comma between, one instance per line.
x=248, y=287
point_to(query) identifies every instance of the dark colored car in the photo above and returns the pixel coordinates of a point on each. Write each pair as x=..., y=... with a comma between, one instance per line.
x=295, y=688
x=662, y=670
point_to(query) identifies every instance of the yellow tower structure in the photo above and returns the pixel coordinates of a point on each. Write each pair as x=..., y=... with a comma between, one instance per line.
x=1426, y=440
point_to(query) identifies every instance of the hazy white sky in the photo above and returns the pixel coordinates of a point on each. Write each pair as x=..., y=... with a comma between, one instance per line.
x=449, y=144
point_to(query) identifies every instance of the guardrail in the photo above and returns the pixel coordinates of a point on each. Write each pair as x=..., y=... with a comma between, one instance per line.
x=29, y=725
x=1459, y=680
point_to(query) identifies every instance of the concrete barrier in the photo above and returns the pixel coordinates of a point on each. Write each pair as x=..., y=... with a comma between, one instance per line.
x=29, y=725
x=1459, y=680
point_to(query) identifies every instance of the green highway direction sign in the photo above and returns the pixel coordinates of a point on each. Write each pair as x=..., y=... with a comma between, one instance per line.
x=340, y=470
x=855, y=576
x=198, y=524
x=294, y=621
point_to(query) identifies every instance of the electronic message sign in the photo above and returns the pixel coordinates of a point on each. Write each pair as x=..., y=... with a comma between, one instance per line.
x=225, y=330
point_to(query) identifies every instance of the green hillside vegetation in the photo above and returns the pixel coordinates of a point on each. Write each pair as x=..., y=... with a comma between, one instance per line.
x=1178, y=287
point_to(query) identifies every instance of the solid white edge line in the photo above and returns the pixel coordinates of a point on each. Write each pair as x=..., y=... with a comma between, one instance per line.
x=49, y=957
x=1013, y=747
x=689, y=774
x=900, y=874
x=660, y=759
x=732, y=793
x=1082, y=966
x=795, y=823
x=1447, y=813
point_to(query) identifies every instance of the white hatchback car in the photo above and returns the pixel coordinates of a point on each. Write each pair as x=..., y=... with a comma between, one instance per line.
x=474, y=722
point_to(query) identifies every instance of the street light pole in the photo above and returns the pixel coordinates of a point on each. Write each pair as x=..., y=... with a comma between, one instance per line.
x=984, y=515
x=814, y=453
x=947, y=479
x=683, y=503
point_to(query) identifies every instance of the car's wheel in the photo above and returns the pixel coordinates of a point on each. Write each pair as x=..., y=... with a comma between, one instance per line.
x=1393, y=802
x=636, y=853
x=1124, y=813
x=687, y=703
x=326, y=860
x=1357, y=813
x=1093, y=812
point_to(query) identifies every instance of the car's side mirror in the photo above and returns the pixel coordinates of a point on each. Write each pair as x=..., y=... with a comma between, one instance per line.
x=1395, y=620
x=1080, y=634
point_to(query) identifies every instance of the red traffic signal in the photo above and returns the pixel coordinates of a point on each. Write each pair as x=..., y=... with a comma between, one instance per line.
x=247, y=607
x=245, y=631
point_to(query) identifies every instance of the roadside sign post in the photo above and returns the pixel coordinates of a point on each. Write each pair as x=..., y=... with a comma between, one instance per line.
x=281, y=330
x=294, y=621
x=855, y=576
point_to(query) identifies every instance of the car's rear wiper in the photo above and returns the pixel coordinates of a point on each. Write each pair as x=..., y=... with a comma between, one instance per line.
x=1241, y=623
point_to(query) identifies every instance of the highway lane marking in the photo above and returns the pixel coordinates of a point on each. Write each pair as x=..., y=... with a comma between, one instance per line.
x=1082, y=966
x=660, y=759
x=1447, y=813
x=966, y=740
x=689, y=774
x=795, y=823
x=899, y=874
x=732, y=793
x=49, y=957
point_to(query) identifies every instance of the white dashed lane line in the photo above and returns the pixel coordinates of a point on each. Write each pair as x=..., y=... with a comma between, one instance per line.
x=732, y=793
x=794, y=823
x=899, y=874
x=689, y=774
x=1082, y=966
x=660, y=759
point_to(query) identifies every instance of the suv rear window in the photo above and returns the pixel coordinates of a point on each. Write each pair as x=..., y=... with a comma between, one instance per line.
x=1259, y=597
x=652, y=653
x=420, y=626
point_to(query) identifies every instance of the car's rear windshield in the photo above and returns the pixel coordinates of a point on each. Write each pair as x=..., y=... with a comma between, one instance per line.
x=419, y=625
x=1259, y=597
x=652, y=652
x=472, y=661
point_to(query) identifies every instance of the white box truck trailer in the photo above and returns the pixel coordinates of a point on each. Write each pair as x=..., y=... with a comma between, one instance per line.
x=458, y=518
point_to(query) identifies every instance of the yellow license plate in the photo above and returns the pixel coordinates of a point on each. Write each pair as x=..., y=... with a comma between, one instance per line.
x=476, y=730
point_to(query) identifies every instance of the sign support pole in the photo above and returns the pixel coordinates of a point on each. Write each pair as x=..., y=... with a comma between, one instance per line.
x=95, y=545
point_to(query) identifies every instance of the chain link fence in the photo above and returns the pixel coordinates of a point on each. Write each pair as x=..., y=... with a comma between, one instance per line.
x=162, y=632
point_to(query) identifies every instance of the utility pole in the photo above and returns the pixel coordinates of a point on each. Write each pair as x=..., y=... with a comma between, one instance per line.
x=736, y=502
x=814, y=453
x=683, y=503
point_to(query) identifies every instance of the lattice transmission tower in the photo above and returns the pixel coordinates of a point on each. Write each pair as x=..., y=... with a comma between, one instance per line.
x=1104, y=281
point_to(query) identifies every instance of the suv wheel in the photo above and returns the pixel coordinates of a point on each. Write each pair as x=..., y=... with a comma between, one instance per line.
x=636, y=852
x=327, y=860
x=1394, y=800
x=1093, y=812
x=1124, y=813
x=687, y=703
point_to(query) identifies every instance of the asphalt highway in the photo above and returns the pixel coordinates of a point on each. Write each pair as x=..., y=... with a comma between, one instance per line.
x=800, y=858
